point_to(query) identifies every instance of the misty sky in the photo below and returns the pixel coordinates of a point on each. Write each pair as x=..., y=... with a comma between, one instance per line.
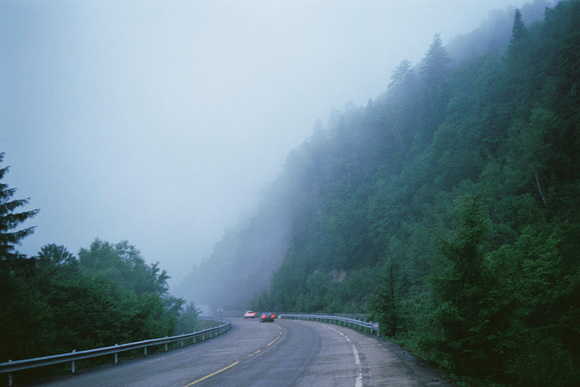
x=159, y=122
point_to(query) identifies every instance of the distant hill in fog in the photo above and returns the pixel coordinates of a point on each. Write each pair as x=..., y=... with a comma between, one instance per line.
x=242, y=263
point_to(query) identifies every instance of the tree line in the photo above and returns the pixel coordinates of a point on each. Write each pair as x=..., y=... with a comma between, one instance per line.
x=56, y=302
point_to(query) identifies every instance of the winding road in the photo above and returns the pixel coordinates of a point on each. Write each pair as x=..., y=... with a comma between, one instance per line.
x=283, y=353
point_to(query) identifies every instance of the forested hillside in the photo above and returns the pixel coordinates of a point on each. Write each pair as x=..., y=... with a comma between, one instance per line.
x=447, y=209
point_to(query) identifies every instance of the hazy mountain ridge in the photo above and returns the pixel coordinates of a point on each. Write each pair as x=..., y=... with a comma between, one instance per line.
x=243, y=261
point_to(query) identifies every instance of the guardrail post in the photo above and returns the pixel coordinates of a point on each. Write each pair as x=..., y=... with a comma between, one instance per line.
x=145, y=351
x=116, y=355
x=73, y=363
x=9, y=376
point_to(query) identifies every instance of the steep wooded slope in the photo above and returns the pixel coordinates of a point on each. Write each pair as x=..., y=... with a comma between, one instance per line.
x=448, y=208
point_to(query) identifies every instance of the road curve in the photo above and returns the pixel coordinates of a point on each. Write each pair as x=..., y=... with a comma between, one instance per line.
x=283, y=353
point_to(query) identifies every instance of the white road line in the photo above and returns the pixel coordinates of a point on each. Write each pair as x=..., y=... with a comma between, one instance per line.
x=355, y=353
x=359, y=376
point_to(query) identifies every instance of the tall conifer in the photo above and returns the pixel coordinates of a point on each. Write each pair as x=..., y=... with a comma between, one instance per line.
x=519, y=29
x=10, y=219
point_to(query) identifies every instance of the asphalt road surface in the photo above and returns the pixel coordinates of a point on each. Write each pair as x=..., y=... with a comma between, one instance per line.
x=283, y=353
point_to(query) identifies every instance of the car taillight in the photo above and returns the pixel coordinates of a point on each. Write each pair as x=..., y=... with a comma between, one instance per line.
x=273, y=316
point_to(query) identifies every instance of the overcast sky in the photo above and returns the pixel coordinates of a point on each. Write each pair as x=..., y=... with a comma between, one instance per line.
x=159, y=122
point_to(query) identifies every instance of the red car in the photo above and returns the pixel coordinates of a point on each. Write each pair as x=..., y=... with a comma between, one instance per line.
x=250, y=314
x=267, y=317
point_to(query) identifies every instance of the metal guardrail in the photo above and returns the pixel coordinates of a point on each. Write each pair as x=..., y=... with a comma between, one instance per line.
x=18, y=365
x=344, y=321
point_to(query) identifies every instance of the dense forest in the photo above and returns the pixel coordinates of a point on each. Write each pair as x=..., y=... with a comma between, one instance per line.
x=447, y=209
x=56, y=302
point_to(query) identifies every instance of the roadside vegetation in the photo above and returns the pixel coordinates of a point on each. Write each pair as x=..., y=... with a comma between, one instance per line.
x=56, y=302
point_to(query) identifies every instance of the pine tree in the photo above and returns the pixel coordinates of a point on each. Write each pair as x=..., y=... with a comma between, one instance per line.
x=462, y=289
x=10, y=219
x=402, y=75
x=435, y=65
x=519, y=29
x=21, y=310
x=435, y=70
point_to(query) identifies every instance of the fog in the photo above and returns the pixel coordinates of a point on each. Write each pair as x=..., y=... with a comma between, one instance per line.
x=160, y=122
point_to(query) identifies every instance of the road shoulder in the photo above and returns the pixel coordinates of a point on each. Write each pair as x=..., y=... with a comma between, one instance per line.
x=386, y=363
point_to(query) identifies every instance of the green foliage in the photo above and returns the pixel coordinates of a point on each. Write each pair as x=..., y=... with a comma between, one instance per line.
x=107, y=296
x=138, y=287
x=27, y=319
x=465, y=306
x=123, y=263
x=316, y=294
x=386, y=302
x=187, y=321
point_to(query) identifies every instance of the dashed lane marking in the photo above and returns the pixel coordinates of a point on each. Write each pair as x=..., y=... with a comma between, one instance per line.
x=235, y=363
x=359, y=377
x=213, y=374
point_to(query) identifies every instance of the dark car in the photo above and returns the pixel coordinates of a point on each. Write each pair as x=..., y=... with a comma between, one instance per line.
x=267, y=317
